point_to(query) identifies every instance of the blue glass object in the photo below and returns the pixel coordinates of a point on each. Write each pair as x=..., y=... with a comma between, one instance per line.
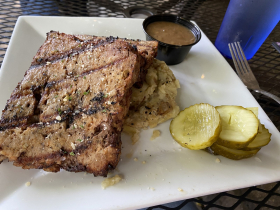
x=249, y=22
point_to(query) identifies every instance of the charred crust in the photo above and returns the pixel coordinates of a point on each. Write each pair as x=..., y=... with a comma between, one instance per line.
x=6, y=107
x=82, y=147
x=73, y=77
x=87, y=45
x=134, y=47
x=110, y=167
x=67, y=115
x=92, y=111
x=37, y=162
x=98, y=97
x=63, y=152
x=111, y=39
x=74, y=167
x=50, y=84
x=12, y=123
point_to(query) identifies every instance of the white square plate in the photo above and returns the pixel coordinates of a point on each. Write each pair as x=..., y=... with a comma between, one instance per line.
x=205, y=77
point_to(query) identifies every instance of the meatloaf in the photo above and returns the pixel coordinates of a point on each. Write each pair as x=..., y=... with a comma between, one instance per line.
x=68, y=111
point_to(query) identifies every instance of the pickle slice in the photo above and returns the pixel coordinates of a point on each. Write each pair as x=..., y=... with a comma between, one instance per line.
x=233, y=154
x=262, y=138
x=255, y=110
x=196, y=127
x=239, y=126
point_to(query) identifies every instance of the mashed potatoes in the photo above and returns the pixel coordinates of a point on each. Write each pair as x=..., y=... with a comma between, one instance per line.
x=156, y=133
x=154, y=103
x=111, y=181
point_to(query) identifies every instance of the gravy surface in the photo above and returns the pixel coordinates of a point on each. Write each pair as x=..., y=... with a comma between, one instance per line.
x=170, y=33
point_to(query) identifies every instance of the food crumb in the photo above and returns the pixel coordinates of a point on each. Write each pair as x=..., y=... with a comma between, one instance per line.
x=135, y=159
x=180, y=189
x=143, y=162
x=156, y=133
x=27, y=184
x=153, y=189
x=218, y=160
x=58, y=118
x=73, y=145
x=111, y=181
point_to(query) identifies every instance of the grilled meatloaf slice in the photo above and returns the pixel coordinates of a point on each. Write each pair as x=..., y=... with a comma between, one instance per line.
x=147, y=49
x=53, y=48
x=68, y=111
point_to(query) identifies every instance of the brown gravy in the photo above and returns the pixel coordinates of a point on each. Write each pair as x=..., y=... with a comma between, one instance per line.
x=170, y=33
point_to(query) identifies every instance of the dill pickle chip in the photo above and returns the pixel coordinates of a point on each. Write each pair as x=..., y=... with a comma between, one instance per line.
x=234, y=154
x=239, y=126
x=196, y=127
x=255, y=110
x=262, y=138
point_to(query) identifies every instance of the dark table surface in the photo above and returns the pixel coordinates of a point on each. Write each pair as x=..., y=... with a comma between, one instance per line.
x=208, y=14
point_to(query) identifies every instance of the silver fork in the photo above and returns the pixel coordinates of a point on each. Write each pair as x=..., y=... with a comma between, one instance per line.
x=244, y=71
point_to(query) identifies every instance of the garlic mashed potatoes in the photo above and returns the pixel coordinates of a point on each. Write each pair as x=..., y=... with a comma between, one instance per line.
x=154, y=103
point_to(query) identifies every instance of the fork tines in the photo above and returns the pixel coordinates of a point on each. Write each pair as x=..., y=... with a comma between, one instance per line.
x=237, y=55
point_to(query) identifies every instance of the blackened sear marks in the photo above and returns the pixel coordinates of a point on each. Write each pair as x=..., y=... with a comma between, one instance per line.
x=6, y=107
x=68, y=119
x=71, y=120
x=74, y=167
x=134, y=47
x=111, y=39
x=33, y=87
x=98, y=97
x=91, y=111
x=110, y=167
x=63, y=151
x=81, y=148
x=39, y=60
x=50, y=84
x=77, y=39
x=95, y=109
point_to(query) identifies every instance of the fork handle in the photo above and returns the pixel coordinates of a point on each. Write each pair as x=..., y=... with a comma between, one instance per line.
x=274, y=97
